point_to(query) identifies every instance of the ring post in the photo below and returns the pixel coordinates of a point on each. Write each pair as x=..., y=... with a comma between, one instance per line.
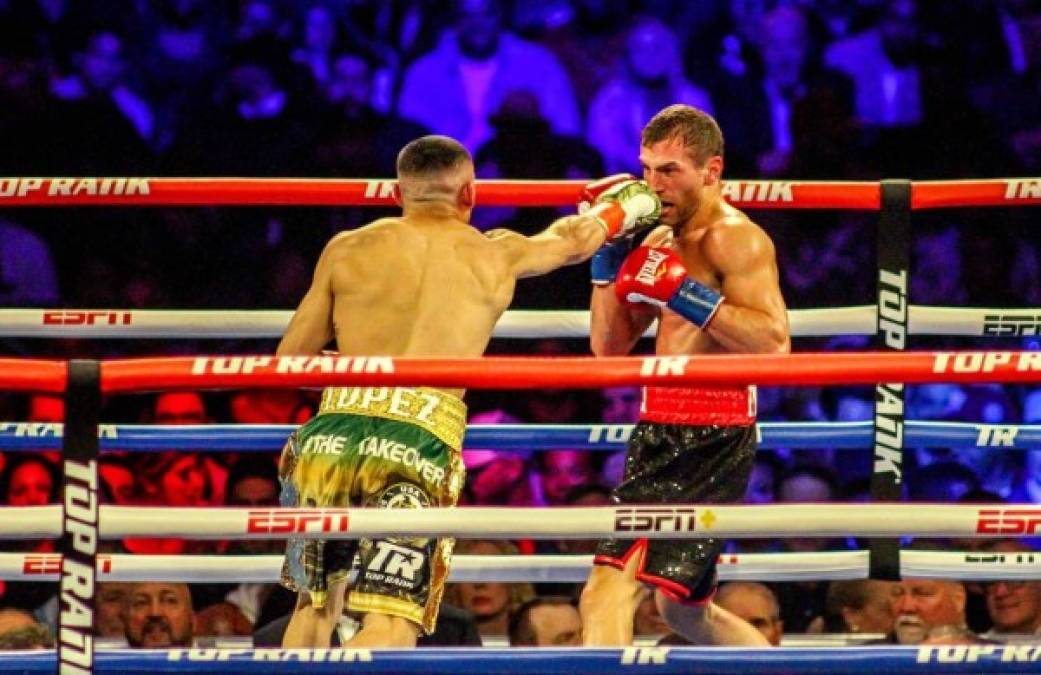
x=894, y=245
x=79, y=541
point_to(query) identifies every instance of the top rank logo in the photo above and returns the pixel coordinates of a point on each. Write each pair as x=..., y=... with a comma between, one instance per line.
x=74, y=187
x=1023, y=188
x=758, y=191
x=235, y=365
x=379, y=189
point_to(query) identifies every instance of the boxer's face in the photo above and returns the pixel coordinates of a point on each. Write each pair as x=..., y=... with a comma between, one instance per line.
x=669, y=169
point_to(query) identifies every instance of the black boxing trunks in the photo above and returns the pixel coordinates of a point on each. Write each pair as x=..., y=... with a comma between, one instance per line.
x=683, y=463
x=384, y=447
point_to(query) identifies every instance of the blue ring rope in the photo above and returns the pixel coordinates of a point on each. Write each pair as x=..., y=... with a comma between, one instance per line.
x=565, y=661
x=525, y=437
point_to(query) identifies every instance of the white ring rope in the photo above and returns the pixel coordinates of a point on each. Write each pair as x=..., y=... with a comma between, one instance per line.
x=651, y=521
x=820, y=566
x=854, y=320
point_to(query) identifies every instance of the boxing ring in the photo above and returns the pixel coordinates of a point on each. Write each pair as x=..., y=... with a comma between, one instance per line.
x=81, y=522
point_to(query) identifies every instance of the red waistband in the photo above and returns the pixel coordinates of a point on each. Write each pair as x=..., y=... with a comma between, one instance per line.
x=720, y=406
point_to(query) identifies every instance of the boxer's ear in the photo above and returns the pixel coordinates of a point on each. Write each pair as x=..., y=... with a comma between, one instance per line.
x=713, y=170
x=468, y=195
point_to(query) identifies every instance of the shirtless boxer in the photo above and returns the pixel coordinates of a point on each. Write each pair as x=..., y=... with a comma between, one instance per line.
x=423, y=284
x=709, y=275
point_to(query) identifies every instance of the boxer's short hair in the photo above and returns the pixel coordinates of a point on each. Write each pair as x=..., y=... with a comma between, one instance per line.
x=697, y=129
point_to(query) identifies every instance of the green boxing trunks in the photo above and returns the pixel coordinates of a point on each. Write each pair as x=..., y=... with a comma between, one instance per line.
x=382, y=447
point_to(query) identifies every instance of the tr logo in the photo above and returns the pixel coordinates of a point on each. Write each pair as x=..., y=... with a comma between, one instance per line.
x=398, y=561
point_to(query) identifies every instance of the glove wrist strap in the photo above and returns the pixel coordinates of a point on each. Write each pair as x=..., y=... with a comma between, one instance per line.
x=695, y=302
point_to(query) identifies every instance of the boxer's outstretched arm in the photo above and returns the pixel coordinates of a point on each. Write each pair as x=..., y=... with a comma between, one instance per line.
x=567, y=241
x=311, y=327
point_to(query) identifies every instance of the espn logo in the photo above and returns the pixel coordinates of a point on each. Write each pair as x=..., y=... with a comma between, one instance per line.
x=87, y=318
x=1011, y=325
x=293, y=521
x=651, y=519
x=1008, y=521
x=50, y=563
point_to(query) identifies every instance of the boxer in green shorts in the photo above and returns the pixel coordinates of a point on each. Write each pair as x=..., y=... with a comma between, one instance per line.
x=426, y=283
x=376, y=447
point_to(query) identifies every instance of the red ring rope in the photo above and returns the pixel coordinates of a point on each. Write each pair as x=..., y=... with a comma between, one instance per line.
x=33, y=375
x=499, y=372
x=125, y=191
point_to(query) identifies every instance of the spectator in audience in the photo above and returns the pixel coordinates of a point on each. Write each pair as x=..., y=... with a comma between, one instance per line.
x=491, y=603
x=186, y=42
x=177, y=479
x=803, y=601
x=113, y=123
x=250, y=484
x=20, y=631
x=756, y=604
x=189, y=407
x=802, y=485
x=257, y=127
x=560, y=471
x=29, y=481
x=496, y=478
x=269, y=406
x=647, y=619
x=586, y=494
x=113, y=607
x=160, y=615
x=651, y=78
x=762, y=115
x=118, y=481
x=762, y=487
x=859, y=606
x=883, y=64
x=28, y=277
x=44, y=408
x=317, y=41
x=454, y=89
x=546, y=622
x=922, y=606
x=354, y=138
x=1014, y=606
x=762, y=484
x=180, y=407
x=455, y=628
x=100, y=78
x=621, y=405
x=942, y=482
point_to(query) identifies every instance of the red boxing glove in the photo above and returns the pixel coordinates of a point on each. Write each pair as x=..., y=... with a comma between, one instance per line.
x=657, y=276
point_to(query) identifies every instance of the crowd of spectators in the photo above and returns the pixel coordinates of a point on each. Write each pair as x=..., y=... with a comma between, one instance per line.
x=803, y=89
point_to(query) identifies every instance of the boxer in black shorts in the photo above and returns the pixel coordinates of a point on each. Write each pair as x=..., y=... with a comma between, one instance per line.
x=680, y=464
x=709, y=276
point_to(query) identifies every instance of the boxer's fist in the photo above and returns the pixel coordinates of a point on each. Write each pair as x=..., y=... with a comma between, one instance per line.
x=623, y=206
x=657, y=276
x=592, y=191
